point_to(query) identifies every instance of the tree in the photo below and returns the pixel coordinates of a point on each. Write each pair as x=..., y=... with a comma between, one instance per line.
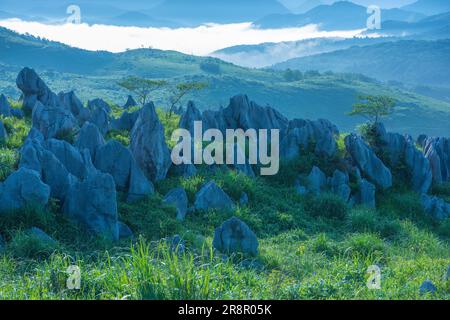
x=141, y=87
x=373, y=107
x=181, y=90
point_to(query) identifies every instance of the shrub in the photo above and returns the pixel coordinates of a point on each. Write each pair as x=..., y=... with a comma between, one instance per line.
x=365, y=244
x=444, y=228
x=327, y=205
x=123, y=136
x=210, y=67
x=27, y=245
x=404, y=205
x=363, y=219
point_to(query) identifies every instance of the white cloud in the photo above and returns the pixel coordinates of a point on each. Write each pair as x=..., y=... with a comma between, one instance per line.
x=201, y=40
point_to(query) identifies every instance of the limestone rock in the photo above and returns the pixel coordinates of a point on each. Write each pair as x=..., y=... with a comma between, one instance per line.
x=52, y=122
x=235, y=236
x=211, y=196
x=148, y=144
x=369, y=164
x=178, y=198
x=23, y=187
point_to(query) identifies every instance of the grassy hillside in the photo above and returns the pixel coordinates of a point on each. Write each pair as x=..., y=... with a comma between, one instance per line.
x=95, y=74
x=410, y=62
x=310, y=247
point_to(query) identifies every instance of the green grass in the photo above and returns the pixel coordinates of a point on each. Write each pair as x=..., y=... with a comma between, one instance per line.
x=310, y=247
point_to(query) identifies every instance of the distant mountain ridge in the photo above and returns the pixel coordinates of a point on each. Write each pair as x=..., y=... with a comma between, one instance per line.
x=341, y=15
x=429, y=7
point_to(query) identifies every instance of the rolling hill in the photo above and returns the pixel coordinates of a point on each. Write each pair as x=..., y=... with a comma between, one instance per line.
x=407, y=61
x=95, y=74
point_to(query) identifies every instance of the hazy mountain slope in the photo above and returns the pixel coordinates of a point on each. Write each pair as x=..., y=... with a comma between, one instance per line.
x=267, y=54
x=411, y=62
x=429, y=7
x=432, y=27
x=342, y=15
x=95, y=74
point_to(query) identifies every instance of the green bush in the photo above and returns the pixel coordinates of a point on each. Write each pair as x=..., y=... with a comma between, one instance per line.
x=444, y=228
x=28, y=245
x=327, y=205
x=366, y=244
x=363, y=219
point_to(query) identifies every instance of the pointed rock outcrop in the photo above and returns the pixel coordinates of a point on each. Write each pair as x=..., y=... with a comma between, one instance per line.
x=211, y=196
x=148, y=144
x=53, y=122
x=117, y=160
x=89, y=138
x=23, y=187
x=34, y=89
x=370, y=165
x=235, y=236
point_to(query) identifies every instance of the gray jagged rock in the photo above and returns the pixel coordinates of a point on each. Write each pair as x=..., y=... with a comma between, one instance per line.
x=419, y=167
x=97, y=211
x=130, y=103
x=115, y=159
x=300, y=133
x=126, y=121
x=71, y=102
x=68, y=155
x=3, y=133
x=366, y=194
x=339, y=184
x=5, y=107
x=23, y=187
x=189, y=116
x=89, y=138
x=245, y=114
x=100, y=118
x=316, y=181
x=52, y=122
x=34, y=89
x=125, y=231
x=366, y=160
x=54, y=174
x=148, y=144
x=98, y=104
x=399, y=148
x=178, y=198
x=427, y=287
x=435, y=207
x=235, y=236
x=41, y=235
x=211, y=196
x=437, y=151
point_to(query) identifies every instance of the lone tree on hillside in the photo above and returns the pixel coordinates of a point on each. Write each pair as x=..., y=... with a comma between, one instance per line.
x=181, y=90
x=373, y=107
x=141, y=87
